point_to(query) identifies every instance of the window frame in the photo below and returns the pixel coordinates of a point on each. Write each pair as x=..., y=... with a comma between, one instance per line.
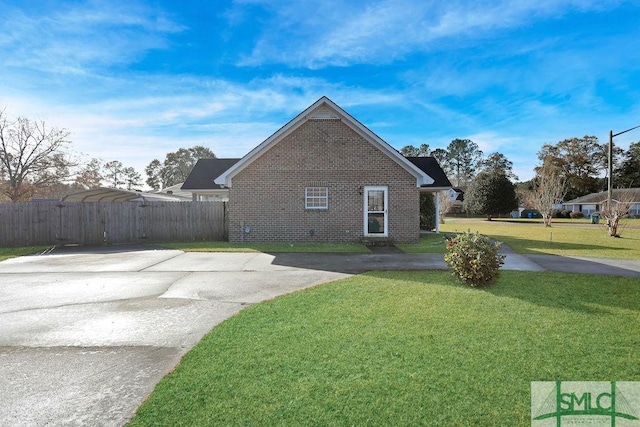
x=316, y=198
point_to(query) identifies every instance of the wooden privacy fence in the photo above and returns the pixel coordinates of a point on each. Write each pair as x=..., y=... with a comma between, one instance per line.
x=88, y=223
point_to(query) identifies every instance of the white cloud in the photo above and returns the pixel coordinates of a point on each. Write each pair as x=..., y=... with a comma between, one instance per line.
x=383, y=31
x=135, y=126
x=74, y=38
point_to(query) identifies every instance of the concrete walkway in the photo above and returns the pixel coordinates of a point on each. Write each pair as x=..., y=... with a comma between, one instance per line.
x=86, y=334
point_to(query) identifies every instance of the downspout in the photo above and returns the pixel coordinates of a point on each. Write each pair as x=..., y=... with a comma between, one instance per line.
x=437, y=212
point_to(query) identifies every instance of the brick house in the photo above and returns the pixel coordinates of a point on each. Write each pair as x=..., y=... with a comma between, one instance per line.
x=200, y=180
x=324, y=177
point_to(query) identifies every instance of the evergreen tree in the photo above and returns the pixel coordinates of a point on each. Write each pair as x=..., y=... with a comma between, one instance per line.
x=463, y=160
x=628, y=174
x=490, y=194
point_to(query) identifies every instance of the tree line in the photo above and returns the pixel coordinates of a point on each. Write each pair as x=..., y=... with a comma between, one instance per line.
x=36, y=162
x=568, y=169
x=581, y=162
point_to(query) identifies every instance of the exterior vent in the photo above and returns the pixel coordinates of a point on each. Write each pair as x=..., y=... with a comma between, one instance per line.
x=324, y=114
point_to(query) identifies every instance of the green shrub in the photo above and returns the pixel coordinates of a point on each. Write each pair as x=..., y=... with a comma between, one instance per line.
x=557, y=213
x=575, y=215
x=473, y=258
x=427, y=212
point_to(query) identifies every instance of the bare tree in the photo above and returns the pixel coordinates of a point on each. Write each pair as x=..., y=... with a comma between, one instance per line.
x=32, y=156
x=90, y=176
x=446, y=201
x=619, y=207
x=549, y=187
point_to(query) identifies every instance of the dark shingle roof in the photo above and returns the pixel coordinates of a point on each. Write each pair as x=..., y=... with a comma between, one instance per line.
x=616, y=194
x=205, y=171
x=430, y=166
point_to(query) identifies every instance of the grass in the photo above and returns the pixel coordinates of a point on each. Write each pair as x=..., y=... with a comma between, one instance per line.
x=429, y=244
x=267, y=247
x=6, y=253
x=404, y=348
x=565, y=237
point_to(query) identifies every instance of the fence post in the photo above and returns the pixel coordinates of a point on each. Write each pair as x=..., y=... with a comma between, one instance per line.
x=140, y=222
x=59, y=233
x=225, y=222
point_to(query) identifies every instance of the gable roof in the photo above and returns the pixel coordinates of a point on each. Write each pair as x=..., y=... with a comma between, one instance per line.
x=430, y=166
x=204, y=173
x=324, y=108
x=616, y=194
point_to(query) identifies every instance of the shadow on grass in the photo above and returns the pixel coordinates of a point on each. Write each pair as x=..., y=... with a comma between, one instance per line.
x=583, y=293
x=576, y=292
x=532, y=247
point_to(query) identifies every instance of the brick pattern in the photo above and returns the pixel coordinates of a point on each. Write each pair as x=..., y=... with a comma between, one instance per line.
x=266, y=200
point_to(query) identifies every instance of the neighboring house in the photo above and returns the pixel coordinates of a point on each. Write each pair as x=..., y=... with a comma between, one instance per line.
x=456, y=195
x=325, y=177
x=200, y=180
x=593, y=202
x=175, y=190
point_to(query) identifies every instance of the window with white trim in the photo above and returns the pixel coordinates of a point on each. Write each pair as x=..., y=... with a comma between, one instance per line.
x=316, y=198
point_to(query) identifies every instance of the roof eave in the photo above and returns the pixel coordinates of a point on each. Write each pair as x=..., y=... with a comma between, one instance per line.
x=421, y=178
x=431, y=189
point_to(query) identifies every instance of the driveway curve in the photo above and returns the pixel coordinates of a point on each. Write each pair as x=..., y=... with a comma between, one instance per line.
x=86, y=335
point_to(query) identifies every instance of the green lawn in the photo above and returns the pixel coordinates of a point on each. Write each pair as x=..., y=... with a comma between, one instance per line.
x=267, y=247
x=404, y=348
x=565, y=237
x=429, y=244
x=6, y=253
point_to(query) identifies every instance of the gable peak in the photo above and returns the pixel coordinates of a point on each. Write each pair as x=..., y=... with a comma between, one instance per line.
x=324, y=113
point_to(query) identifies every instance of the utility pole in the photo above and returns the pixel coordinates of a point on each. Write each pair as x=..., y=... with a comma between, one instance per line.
x=610, y=173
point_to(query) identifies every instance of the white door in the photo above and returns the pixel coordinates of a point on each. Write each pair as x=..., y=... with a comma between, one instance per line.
x=376, y=211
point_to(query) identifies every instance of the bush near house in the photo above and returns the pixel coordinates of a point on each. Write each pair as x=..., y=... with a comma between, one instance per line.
x=427, y=212
x=576, y=215
x=473, y=258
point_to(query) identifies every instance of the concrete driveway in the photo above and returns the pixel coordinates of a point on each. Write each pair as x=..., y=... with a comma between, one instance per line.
x=86, y=335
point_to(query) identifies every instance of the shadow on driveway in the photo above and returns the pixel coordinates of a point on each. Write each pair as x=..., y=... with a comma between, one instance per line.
x=603, y=266
x=359, y=263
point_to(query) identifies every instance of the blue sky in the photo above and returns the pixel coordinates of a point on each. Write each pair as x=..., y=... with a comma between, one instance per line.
x=137, y=79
